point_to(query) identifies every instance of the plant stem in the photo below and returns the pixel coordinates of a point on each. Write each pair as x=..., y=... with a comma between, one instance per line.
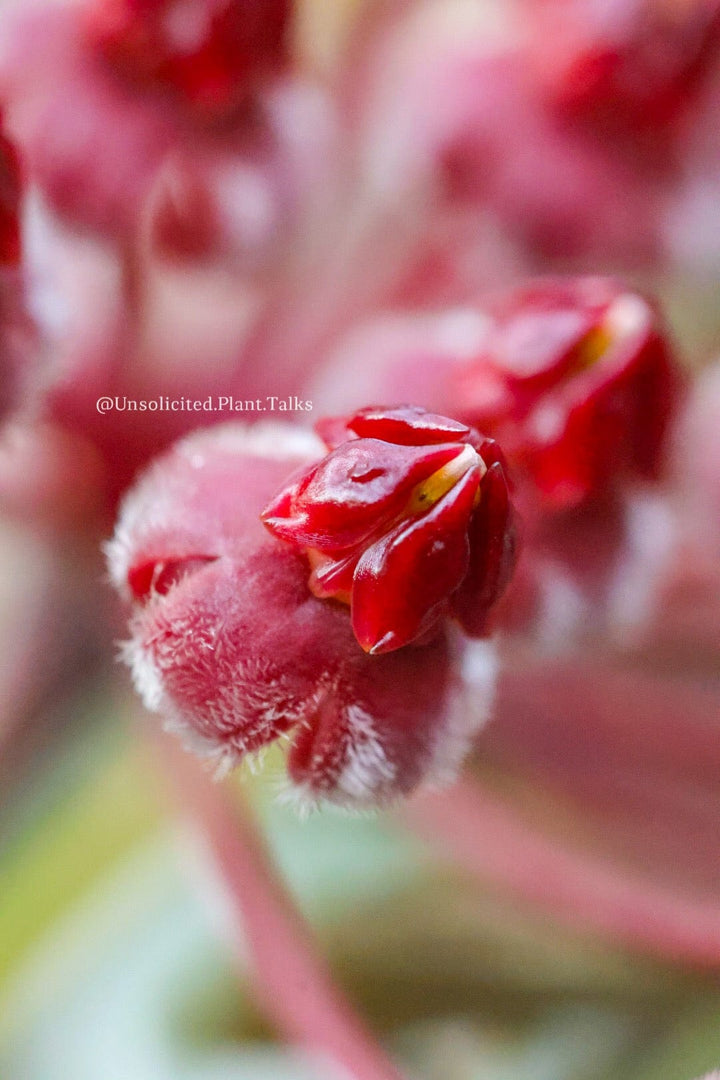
x=485, y=836
x=292, y=981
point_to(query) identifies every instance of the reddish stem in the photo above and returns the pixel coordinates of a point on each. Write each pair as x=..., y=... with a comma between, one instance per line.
x=291, y=979
x=488, y=838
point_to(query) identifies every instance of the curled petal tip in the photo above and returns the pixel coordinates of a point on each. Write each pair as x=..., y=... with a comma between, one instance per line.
x=386, y=644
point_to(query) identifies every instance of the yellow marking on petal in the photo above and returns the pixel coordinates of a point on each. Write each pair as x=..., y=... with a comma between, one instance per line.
x=430, y=491
x=592, y=348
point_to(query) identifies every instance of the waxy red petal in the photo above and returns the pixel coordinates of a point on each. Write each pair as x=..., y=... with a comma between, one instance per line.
x=658, y=386
x=333, y=431
x=570, y=467
x=538, y=345
x=402, y=582
x=356, y=490
x=406, y=425
x=388, y=524
x=491, y=454
x=493, y=554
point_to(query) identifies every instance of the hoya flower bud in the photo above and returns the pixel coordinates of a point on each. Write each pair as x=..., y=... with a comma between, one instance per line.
x=209, y=53
x=634, y=67
x=230, y=646
x=100, y=95
x=576, y=381
x=407, y=519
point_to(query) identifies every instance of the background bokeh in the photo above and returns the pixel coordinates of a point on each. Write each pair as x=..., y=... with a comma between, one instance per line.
x=401, y=179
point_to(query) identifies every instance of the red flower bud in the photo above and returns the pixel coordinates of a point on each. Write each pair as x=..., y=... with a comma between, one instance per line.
x=407, y=519
x=632, y=67
x=209, y=52
x=230, y=646
x=577, y=383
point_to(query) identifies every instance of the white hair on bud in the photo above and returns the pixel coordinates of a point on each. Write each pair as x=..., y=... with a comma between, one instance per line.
x=468, y=710
x=145, y=675
x=365, y=781
x=266, y=440
x=144, y=508
x=366, y=772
